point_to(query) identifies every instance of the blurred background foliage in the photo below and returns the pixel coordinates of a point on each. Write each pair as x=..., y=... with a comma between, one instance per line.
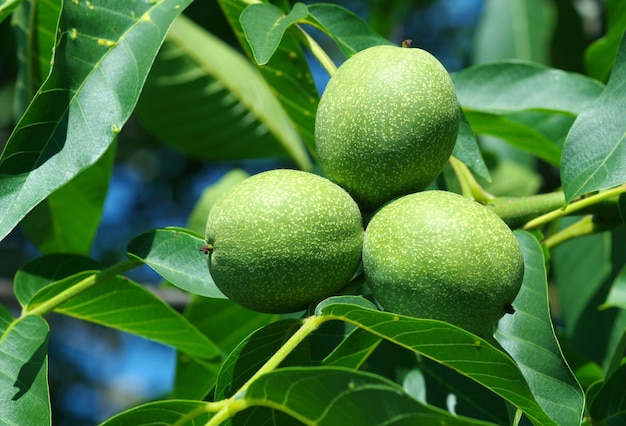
x=95, y=372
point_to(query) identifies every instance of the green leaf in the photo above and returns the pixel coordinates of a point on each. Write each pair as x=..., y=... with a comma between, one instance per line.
x=600, y=56
x=513, y=86
x=161, y=413
x=517, y=134
x=348, y=30
x=264, y=25
x=353, y=350
x=24, y=370
x=450, y=346
x=608, y=405
x=122, y=304
x=604, y=125
x=528, y=336
x=67, y=221
x=47, y=270
x=617, y=295
x=86, y=99
x=206, y=99
x=467, y=150
x=226, y=324
x=515, y=29
x=175, y=254
x=200, y=212
x=252, y=352
x=7, y=7
x=287, y=73
x=337, y=396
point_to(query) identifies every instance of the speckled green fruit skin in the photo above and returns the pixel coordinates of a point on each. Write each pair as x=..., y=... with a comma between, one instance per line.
x=283, y=239
x=438, y=255
x=386, y=123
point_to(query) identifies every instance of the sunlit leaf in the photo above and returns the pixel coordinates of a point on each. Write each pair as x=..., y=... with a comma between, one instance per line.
x=353, y=350
x=176, y=255
x=338, y=396
x=161, y=413
x=594, y=154
x=450, y=346
x=287, y=73
x=120, y=303
x=528, y=336
x=348, y=30
x=101, y=60
x=24, y=370
x=264, y=25
x=7, y=7
x=205, y=98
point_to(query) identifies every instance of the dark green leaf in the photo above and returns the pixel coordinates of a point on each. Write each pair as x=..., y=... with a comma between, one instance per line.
x=85, y=101
x=161, y=413
x=175, y=254
x=206, y=99
x=353, y=350
x=604, y=125
x=467, y=150
x=337, y=396
x=7, y=7
x=608, y=405
x=450, y=346
x=512, y=86
x=127, y=306
x=600, y=56
x=24, y=370
x=528, y=336
x=253, y=352
x=67, y=221
x=264, y=25
x=226, y=324
x=49, y=269
x=287, y=73
x=350, y=32
x=617, y=295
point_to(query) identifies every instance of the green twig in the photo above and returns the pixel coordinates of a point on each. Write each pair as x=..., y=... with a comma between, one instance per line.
x=584, y=226
x=104, y=275
x=469, y=186
x=516, y=211
x=576, y=206
x=235, y=404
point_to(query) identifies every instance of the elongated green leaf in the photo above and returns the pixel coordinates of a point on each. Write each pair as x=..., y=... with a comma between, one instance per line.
x=594, y=154
x=264, y=25
x=122, y=304
x=176, y=255
x=512, y=86
x=519, y=135
x=287, y=73
x=467, y=150
x=161, y=413
x=528, y=336
x=226, y=324
x=206, y=99
x=24, y=370
x=7, y=7
x=102, y=58
x=252, y=352
x=350, y=32
x=515, y=29
x=617, y=295
x=599, y=57
x=337, y=396
x=450, y=346
x=608, y=405
x=47, y=270
x=67, y=221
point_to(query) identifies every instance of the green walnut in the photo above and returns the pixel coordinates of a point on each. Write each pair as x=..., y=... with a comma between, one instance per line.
x=283, y=239
x=386, y=123
x=439, y=255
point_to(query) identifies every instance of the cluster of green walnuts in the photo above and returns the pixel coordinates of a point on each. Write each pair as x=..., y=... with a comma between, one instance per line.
x=386, y=125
